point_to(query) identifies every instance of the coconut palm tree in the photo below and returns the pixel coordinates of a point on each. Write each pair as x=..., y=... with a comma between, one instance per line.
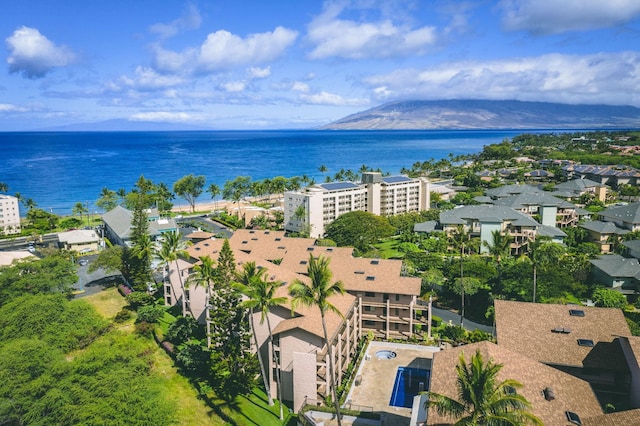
x=482, y=400
x=214, y=191
x=205, y=275
x=498, y=249
x=317, y=293
x=172, y=248
x=4, y=187
x=79, y=209
x=459, y=238
x=260, y=296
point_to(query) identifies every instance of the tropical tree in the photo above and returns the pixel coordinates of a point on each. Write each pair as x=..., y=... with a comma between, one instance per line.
x=235, y=190
x=214, y=191
x=29, y=203
x=459, y=238
x=543, y=252
x=499, y=249
x=108, y=199
x=205, y=275
x=172, y=248
x=260, y=296
x=359, y=229
x=317, y=293
x=80, y=209
x=4, y=187
x=482, y=400
x=189, y=187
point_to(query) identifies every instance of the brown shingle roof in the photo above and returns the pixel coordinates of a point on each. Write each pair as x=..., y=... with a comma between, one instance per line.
x=571, y=394
x=305, y=318
x=528, y=328
x=621, y=418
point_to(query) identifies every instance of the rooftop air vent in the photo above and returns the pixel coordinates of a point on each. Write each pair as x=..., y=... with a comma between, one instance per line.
x=562, y=330
x=375, y=262
x=549, y=394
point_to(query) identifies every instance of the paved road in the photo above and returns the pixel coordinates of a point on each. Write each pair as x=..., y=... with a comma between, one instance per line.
x=91, y=283
x=455, y=320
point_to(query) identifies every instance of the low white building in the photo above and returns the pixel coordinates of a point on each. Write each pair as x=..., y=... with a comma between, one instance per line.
x=9, y=215
x=80, y=240
x=311, y=209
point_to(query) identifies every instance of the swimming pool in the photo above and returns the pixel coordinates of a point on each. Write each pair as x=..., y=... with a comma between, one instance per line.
x=409, y=382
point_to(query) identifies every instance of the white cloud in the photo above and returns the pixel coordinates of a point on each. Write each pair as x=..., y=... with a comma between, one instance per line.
x=147, y=79
x=161, y=116
x=223, y=50
x=357, y=40
x=609, y=78
x=33, y=55
x=234, y=86
x=256, y=72
x=190, y=19
x=325, y=98
x=553, y=17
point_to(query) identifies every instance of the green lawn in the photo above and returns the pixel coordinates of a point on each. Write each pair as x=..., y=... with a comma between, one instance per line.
x=193, y=409
x=388, y=249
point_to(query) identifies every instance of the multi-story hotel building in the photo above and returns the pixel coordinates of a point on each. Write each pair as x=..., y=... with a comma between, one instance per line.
x=9, y=215
x=378, y=299
x=311, y=209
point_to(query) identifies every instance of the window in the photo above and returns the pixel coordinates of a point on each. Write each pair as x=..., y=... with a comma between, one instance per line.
x=369, y=323
x=368, y=308
x=585, y=342
x=309, y=248
x=573, y=418
x=576, y=312
x=375, y=262
x=369, y=294
x=303, y=262
x=397, y=297
x=370, y=278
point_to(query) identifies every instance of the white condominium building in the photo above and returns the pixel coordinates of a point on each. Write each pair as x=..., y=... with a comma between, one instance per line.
x=9, y=215
x=314, y=207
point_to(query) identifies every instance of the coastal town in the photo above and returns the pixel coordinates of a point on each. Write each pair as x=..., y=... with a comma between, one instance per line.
x=370, y=289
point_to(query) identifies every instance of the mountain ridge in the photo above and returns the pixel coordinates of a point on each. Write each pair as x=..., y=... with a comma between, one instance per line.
x=474, y=114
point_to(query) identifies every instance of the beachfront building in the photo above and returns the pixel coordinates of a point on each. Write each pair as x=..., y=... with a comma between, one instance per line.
x=301, y=352
x=9, y=215
x=311, y=209
x=117, y=225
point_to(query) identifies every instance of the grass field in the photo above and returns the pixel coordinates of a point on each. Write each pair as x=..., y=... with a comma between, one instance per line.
x=193, y=409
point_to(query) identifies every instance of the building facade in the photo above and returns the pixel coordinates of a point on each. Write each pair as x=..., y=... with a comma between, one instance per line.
x=311, y=209
x=9, y=215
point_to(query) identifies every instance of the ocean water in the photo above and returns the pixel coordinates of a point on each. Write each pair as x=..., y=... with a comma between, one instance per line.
x=58, y=169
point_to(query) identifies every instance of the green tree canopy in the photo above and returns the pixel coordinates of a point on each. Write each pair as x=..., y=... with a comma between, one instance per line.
x=609, y=298
x=359, y=229
x=189, y=187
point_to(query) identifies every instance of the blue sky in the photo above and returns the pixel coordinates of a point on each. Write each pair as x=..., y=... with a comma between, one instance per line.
x=255, y=64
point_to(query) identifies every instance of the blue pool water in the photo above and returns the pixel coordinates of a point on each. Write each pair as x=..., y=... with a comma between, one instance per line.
x=408, y=384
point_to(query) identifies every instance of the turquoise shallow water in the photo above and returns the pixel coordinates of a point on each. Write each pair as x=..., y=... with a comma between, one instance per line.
x=58, y=169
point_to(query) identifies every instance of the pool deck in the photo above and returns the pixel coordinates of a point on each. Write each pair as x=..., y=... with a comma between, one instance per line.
x=378, y=376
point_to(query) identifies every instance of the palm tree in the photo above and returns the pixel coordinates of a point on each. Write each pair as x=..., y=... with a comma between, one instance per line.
x=317, y=293
x=79, y=209
x=481, y=399
x=4, y=187
x=171, y=249
x=214, y=191
x=260, y=295
x=459, y=238
x=498, y=249
x=29, y=203
x=205, y=275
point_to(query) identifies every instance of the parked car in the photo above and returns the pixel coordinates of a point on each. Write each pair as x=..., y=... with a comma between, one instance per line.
x=83, y=262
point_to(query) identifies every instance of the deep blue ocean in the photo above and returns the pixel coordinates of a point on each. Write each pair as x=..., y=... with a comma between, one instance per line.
x=58, y=169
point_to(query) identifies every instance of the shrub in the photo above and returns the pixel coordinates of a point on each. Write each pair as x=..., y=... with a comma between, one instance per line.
x=144, y=328
x=150, y=313
x=453, y=332
x=123, y=315
x=139, y=298
x=181, y=330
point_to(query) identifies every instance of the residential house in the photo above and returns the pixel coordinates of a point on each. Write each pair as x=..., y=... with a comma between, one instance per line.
x=79, y=240
x=604, y=234
x=613, y=176
x=9, y=215
x=117, y=223
x=626, y=216
x=632, y=248
x=586, y=342
x=314, y=207
x=553, y=211
x=618, y=273
x=573, y=189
